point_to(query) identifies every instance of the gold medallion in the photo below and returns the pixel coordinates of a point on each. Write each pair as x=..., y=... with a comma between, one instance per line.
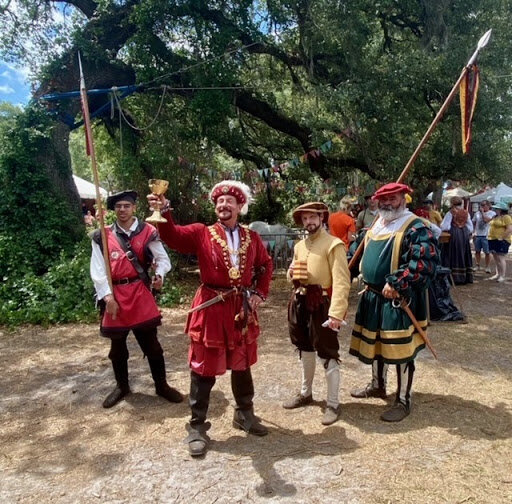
x=234, y=273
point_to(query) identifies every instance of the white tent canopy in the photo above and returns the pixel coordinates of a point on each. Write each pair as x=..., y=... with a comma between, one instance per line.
x=450, y=193
x=86, y=190
x=500, y=192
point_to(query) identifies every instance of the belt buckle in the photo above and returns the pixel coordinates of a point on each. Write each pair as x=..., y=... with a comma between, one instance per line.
x=124, y=281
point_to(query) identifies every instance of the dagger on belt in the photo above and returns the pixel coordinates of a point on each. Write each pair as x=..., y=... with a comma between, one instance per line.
x=401, y=302
x=220, y=298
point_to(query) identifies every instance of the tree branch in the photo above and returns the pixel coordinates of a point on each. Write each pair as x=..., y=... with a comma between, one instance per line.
x=263, y=111
x=87, y=7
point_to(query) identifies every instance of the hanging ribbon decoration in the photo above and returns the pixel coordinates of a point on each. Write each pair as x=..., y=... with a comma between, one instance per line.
x=296, y=161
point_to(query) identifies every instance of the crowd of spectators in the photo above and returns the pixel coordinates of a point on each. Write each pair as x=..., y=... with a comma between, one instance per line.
x=489, y=229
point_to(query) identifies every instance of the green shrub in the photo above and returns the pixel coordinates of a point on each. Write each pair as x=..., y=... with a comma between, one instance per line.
x=65, y=293
x=171, y=294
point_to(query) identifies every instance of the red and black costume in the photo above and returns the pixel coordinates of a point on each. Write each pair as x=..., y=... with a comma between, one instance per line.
x=137, y=306
x=138, y=311
x=223, y=335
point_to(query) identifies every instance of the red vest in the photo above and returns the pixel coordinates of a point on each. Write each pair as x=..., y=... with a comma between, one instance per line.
x=137, y=306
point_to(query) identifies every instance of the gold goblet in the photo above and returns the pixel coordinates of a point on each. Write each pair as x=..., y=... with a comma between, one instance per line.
x=157, y=187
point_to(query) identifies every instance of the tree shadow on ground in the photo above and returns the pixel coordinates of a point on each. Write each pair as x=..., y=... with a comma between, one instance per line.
x=281, y=444
x=465, y=418
x=51, y=441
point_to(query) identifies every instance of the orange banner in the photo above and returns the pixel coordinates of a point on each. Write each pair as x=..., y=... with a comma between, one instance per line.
x=468, y=96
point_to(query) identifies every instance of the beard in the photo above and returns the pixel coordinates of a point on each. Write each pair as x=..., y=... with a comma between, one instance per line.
x=388, y=213
x=226, y=213
x=313, y=228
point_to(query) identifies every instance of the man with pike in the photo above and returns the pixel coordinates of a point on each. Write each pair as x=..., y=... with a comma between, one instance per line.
x=235, y=271
x=132, y=246
x=399, y=261
x=321, y=282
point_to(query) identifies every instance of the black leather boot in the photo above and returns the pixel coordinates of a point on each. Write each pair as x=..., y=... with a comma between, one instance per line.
x=197, y=439
x=199, y=400
x=122, y=387
x=369, y=391
x=162, y=388
x=243, y=391
x=402, y=406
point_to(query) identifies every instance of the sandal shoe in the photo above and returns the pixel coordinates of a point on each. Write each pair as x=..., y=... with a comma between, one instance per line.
x=197, y=439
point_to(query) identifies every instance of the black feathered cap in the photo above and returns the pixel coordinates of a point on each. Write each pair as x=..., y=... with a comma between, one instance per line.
x=130, y=196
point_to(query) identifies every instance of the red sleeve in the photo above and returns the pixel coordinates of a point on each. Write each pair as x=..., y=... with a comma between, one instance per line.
x=183, y=239
x=263, y=261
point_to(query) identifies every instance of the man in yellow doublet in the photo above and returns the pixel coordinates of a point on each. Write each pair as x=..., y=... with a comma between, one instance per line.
x=321, y=279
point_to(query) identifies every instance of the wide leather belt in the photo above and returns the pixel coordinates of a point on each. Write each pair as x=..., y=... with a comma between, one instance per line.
x=374, y=288
x=124, y=281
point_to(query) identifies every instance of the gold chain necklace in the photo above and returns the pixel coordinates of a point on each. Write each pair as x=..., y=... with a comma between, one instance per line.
x=227, y=251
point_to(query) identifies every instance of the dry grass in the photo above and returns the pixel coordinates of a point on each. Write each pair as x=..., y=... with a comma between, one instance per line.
x=60, y=445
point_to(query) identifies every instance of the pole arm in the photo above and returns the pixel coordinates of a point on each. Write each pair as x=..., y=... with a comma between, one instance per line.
x=481, y=43
x=99, y=203
x=432, y=127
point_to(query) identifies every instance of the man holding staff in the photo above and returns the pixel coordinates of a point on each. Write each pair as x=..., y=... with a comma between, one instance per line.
x=235, y=271
x=132, y=247
x=399, y=260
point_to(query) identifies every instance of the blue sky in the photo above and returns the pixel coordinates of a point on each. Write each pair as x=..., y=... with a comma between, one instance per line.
x=14, y=87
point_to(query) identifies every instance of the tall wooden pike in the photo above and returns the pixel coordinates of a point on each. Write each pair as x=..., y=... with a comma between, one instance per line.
x=481, y=44
x=90, y=151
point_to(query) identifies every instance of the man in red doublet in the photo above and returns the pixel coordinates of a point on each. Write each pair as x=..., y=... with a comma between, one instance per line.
x=131, y=244
x=235, y=271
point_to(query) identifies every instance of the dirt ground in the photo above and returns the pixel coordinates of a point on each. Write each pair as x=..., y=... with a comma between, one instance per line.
x=58, y=445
